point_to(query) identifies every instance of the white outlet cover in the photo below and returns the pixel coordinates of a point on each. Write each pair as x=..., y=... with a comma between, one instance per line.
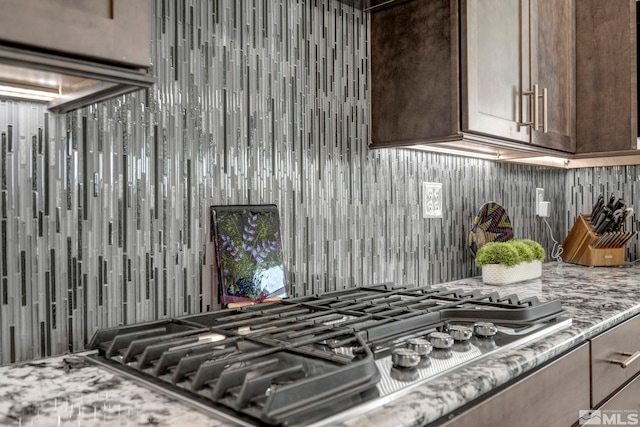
x=539, y=199
x=432, y=200
x=544, y=209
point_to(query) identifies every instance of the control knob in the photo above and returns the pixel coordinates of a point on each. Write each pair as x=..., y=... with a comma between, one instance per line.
x=441, y=340
x=420, y=345
x=460, y=333
x=404, y=358
x=485, y=329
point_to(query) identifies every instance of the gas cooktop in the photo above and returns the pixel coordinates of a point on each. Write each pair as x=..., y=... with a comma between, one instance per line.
x=302, y=360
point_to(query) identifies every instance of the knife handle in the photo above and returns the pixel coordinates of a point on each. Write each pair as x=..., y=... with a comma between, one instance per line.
x=603, y=226
x=620, y=204
x=598, y=221
x=599, y=213
x=597, y=206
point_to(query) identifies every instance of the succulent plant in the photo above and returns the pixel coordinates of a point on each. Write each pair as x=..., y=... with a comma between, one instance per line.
x=538, y=251
x=524, y=251
x=509, y=253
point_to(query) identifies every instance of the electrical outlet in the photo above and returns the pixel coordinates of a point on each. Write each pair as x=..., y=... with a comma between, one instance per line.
x=539, y=199
x=432, y=199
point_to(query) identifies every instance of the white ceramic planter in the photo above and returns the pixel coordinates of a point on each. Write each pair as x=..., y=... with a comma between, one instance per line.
x=495, y=274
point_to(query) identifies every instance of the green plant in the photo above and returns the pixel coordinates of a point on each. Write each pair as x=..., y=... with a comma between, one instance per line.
x=538, y=251
x=497, y=253
x=524, y=250
x=509, y=253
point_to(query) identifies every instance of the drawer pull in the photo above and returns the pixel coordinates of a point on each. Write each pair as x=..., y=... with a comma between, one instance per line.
x=628, y=361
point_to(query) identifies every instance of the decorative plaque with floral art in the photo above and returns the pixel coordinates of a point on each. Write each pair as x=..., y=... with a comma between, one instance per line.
x=248, y=253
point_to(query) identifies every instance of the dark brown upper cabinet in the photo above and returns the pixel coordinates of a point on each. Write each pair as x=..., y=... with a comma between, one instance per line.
x=607, y=121
x=552, y=53
x=464, y=73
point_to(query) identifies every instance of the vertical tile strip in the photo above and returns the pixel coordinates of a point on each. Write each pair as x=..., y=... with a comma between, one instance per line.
x=23, y=276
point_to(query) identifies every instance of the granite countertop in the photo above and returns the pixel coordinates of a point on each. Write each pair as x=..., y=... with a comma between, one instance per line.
x=66, y=391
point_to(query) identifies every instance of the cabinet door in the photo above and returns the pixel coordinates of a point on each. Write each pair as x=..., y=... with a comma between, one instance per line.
x=626, y=400
x=606, y=97
x=606, y=377
x=414, y=73
x=553, y=67
x=492, y=67
x=552, y=396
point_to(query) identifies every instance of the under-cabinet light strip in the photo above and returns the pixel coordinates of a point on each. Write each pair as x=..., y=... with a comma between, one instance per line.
x=17, y=92
x=459, y=152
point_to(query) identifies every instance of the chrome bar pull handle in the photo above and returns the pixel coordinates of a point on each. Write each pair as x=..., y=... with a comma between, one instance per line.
x=533, y=99
x=631, y=357
x=544, y=110
x=536, y=110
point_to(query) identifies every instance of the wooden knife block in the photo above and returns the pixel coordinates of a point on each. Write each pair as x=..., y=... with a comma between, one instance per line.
x=578, y=247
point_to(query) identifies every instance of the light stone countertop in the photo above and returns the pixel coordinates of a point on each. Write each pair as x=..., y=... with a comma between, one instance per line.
x=66, y=391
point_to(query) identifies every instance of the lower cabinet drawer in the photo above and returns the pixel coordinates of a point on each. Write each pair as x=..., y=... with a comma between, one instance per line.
x=617, y=344
x=552, y=396
x=623, y=409
x=627, y=399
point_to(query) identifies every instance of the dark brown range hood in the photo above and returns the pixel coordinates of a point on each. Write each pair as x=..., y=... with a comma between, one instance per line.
x=70, y=53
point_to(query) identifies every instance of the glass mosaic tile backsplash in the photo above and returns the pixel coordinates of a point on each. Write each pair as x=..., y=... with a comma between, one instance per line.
x=105, y=210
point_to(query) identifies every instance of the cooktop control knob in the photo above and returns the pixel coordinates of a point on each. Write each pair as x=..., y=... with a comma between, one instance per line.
x=420, y=345
x=441, y=340
x=460, y=333
x=404, y=358
x=484, y=329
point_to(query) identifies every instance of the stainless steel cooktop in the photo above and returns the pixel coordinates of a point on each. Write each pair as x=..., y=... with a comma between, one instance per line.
x=324, y=357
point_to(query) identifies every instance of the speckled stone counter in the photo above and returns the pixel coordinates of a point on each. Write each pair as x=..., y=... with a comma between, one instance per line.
x=65, y=391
